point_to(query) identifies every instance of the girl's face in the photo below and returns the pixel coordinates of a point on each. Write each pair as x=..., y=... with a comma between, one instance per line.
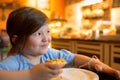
x=38, y=42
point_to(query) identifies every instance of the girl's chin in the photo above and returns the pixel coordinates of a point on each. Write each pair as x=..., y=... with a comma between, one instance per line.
x=44, y=51
x=40, y=53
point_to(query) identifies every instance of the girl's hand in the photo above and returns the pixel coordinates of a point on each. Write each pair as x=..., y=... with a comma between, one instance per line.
x=45, y=71
x=101, y=67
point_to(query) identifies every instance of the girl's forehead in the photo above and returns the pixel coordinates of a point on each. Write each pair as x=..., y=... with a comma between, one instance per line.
x=45, y=26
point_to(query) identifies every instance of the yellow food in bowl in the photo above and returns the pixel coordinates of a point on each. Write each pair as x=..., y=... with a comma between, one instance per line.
x=56, y=61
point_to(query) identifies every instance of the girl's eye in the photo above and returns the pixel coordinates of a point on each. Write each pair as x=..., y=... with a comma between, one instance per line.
x=37, y=34
x=48, y=31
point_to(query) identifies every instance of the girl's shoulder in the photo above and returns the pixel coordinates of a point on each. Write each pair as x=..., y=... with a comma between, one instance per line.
x=14, y=58
x=13, y=62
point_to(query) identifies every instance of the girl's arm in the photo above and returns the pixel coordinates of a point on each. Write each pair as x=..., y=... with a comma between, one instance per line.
x=81, y=61
x=95, y=64
x=38, y=72
x=15, y=75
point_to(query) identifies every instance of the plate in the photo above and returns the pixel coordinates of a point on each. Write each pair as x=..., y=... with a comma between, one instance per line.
x=78, y=74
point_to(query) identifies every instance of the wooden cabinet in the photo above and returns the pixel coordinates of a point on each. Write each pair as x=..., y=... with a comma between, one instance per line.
x=63, y=44
x=107, y=51
x=89, y=48
x=115, y=56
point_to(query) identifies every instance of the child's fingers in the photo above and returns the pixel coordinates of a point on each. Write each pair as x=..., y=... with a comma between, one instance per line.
x=98, y=68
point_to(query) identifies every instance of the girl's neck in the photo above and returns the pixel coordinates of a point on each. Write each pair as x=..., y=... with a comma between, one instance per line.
x=34, y=59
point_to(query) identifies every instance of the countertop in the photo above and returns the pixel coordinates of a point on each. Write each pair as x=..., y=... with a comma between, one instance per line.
x=108, y=39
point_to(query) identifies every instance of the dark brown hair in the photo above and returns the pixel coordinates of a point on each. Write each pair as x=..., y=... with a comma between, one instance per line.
x=22, y=22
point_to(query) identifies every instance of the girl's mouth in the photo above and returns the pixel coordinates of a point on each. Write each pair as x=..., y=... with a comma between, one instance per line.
x=44, y=45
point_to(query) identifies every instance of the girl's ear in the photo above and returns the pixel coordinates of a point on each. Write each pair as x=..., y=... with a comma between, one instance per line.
x=14, y=38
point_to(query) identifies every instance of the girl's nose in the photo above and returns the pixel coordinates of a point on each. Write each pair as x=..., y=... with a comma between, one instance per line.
x=45, y=37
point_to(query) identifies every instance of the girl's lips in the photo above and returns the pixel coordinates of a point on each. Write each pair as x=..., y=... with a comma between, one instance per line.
x=44, y=45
